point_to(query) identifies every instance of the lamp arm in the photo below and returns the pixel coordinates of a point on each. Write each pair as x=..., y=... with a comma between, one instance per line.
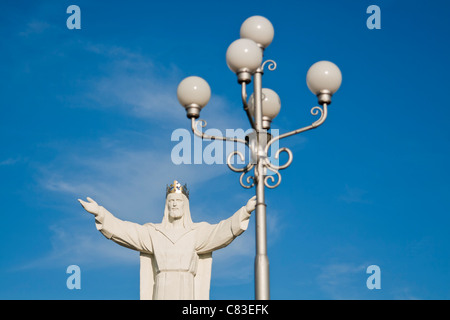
x=194, y=124
x=314, y=111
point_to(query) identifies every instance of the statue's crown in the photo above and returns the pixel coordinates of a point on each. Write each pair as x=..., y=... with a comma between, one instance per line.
x=176, y=187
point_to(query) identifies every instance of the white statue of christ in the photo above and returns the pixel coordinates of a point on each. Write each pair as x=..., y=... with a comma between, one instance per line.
x=176, y=254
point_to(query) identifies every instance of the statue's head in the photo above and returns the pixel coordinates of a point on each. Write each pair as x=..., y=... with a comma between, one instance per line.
x=177, y=205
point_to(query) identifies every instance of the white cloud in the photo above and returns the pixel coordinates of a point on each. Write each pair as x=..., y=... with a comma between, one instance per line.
x=138, y=86
x=9, y=161
x=130, y=183
x=35, y=27
x=83, y=247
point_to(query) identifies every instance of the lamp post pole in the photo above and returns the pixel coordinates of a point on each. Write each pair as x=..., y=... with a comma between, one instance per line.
x=262, y=290
x=245, y=58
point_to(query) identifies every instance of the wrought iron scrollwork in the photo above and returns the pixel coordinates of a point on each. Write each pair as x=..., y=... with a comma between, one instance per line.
x=272, y=179
x=272, y=65
x=248, y=184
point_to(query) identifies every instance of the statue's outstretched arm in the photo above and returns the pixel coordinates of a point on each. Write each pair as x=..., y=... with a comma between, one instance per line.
x=128, y=234
x=217, y=236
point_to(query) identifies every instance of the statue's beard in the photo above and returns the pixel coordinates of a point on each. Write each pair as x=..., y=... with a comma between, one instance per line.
x=175, y=213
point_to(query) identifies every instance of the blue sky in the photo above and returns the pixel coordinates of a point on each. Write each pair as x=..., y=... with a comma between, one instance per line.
x=91, y=112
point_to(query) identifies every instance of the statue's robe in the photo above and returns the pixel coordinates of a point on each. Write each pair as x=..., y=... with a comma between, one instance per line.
x=175, y=263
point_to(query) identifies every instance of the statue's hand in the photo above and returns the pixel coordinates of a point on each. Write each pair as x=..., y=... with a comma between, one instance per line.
x=251, y=204
x=91, y=206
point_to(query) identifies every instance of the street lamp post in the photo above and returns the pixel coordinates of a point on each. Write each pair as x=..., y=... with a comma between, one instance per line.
x=245, y=58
